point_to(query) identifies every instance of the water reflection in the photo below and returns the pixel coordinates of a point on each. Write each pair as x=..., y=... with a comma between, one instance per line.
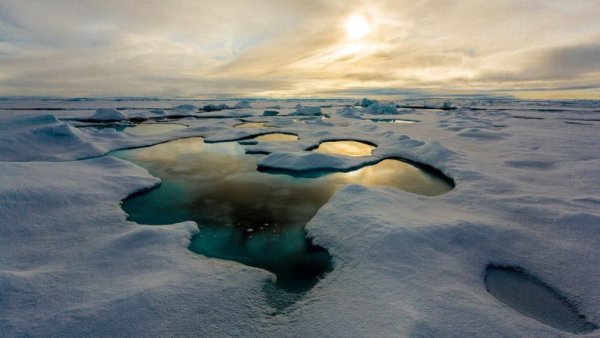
x=277, y=137
x=348, y=148
x=248, y=216
x=146, y=129
x=250, y=125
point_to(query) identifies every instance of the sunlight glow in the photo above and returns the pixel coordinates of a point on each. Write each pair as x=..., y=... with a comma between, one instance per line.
x=357, y=27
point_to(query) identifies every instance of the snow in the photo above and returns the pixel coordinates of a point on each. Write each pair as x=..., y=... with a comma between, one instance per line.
x=42, y=137
x=531, y=297
x=350, y=112
x=379, y=108
x=365, y=102
x=94, y=274
x=307, y=110
x=375, y=107
x=310, y=161
x=215, y=107
x=185, y=107
x=404, y=265
x=159, y=112
x=108, y=114
x=242, y=105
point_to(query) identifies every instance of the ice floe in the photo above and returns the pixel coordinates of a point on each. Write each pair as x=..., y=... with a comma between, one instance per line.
x=107, y=114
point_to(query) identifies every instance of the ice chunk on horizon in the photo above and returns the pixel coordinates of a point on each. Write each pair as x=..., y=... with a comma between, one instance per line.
x=158, y=112
x=365, y=102
x=307, y=110
x=270, y=113
x=380, y=108
x=185, y=107
x=108, y=114
x=215, y=107
x=349, y=112
x=242, y=105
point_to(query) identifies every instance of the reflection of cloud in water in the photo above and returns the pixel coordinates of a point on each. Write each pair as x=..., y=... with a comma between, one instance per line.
x=396, y=174
x=347, y=148
x=251, y=125
x=277, y=137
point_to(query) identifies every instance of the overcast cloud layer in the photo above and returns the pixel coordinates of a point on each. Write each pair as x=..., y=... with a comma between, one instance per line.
x=298, y=48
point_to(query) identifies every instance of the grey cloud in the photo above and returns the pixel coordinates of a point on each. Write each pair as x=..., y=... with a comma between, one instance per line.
x=560, y=63
x=188, y=47
x=569, y=62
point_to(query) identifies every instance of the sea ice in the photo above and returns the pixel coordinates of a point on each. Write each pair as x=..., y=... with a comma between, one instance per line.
x=215, y=107
x=307, y=111
x=185, y=107
x=108, y=114
x=350, y=112
x=404, y=265
x=365, y=102
x=242, y=105
x=380, y=108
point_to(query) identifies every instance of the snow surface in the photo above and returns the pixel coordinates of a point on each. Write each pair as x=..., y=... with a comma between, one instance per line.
x=185, y=107
x=307, y=110
x=526, y=195
x=108, y=114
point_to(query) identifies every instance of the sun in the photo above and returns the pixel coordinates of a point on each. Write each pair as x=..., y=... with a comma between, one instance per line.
x=357, y=27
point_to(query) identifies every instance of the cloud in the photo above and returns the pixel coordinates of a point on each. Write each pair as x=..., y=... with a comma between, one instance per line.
x=559, y=63
x=294, y=47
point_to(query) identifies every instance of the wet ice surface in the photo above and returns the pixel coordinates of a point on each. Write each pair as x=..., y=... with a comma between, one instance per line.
x=529, y=296
x=248, y=216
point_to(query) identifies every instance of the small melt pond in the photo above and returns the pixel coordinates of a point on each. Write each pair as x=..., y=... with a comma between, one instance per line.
x=252, y=125
x=277, y=137
x=347, y=148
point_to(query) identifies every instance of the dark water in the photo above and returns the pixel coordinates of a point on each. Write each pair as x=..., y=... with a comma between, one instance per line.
x=276, y=137
x=529, y=296
x=248, y=216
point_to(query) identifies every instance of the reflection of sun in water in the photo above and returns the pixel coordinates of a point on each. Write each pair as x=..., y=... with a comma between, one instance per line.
x=357, y=27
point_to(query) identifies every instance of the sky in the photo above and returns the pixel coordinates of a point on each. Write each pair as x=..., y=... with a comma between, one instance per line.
x=300, y=48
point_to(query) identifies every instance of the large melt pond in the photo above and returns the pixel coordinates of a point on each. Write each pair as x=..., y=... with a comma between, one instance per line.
x=253, y=217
